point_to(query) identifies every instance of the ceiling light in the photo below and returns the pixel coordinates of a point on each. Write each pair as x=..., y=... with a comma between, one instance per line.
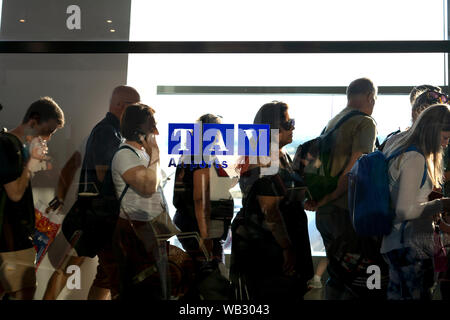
x=109, y=21
x=112, y=30
x=22, y=20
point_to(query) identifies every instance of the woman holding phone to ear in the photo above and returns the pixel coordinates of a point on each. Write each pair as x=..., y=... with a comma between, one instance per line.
x=136, y=165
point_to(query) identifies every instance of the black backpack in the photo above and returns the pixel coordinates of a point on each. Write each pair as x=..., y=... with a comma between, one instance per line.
x=28, y=220
x=313, y=160
x=389, y=136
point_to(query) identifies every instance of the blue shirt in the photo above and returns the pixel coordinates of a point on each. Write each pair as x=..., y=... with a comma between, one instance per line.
x=102, y=144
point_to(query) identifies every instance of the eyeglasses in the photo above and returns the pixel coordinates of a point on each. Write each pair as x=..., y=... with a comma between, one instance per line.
x=288, y=125
x=436, y=97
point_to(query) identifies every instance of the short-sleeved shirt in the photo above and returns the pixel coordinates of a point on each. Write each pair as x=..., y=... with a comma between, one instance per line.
x=17, y=220
x=357, y=134
x=139, y=207
x=102, y=144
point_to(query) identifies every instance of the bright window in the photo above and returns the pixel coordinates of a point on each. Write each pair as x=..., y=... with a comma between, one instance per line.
x=284, y=20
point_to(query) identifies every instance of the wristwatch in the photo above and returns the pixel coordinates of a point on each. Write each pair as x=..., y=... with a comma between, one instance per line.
x=55, y=203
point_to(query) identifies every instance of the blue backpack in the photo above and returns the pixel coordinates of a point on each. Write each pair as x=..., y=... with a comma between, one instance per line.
x=369, y=196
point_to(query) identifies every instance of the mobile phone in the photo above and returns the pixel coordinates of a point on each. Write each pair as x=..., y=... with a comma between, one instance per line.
x=138, y=136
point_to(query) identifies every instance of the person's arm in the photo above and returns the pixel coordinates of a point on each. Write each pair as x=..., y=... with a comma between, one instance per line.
x=65, y=180
x=408, y=205
x=16, y=188
x=67, y=174
x=363, y=142
x=100, y=171
x=274, y=220
x=145, y=180
x=202, y=204
x=342, y=184
x=270, y=207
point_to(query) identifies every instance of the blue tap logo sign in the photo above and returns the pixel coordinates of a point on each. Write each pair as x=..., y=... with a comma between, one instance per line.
x=182, y=138
x=218, y=139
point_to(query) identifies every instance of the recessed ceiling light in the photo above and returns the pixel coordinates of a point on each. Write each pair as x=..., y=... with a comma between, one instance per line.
x=22, y=20
x=109, y=21
x=112, y=30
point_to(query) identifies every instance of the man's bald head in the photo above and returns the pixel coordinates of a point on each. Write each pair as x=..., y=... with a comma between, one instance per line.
x=122, y=97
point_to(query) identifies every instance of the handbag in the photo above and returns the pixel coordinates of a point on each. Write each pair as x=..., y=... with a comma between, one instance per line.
x=93, y=220
x=163, y=225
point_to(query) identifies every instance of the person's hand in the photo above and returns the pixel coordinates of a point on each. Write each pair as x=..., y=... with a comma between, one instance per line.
x=310, y=205
x=289, y=261
x=208, y=245
x=150, y=146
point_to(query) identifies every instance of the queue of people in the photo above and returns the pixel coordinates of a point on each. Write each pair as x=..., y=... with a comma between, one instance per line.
x=121, y=213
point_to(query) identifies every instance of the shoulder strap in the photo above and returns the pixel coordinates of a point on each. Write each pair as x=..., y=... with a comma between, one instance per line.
x=289, y=159
x=349, y=115
x=129, y=148
x=377, y=143
x=398, y=152
x=390, y=135
x=127, y=185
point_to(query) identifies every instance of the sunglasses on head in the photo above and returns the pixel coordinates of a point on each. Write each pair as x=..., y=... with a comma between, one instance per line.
x=288, y=125
x=436, y=97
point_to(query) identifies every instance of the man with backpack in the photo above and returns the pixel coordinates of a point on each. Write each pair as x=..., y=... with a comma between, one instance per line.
x=354, y=134
x=17, y=219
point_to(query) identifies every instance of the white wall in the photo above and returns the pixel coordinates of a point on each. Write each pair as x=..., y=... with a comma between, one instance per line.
x=81, y=84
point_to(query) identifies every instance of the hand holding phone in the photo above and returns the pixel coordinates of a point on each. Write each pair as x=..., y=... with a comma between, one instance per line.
x=150, y=145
